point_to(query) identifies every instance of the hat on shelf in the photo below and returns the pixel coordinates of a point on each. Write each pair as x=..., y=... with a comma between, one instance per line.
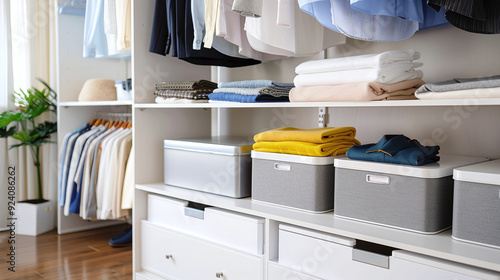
x=98, y=90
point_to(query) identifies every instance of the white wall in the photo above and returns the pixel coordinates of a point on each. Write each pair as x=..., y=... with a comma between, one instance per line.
x=446, y=52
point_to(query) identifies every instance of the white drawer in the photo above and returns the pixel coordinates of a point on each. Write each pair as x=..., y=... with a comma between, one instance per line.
x=178, y=256
x=429, y=268
x=328, y=256
x=278, y=272
x=236, y=230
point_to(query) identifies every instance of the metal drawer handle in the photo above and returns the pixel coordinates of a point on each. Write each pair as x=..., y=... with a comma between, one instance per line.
x=219, y=274
x=168, y=257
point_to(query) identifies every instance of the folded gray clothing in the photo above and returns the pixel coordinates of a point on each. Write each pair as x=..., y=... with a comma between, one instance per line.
x=461, y=84
x=255, y=84
x=186, y=85
x=185, y=94
x=276, y=92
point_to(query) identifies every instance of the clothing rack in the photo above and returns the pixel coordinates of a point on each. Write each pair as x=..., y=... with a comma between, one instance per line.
x=112, y=115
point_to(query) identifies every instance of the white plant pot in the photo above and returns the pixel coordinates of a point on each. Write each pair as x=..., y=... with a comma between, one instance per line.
x=34, y=218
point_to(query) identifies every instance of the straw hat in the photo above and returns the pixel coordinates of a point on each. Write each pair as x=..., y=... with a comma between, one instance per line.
x=98, y=90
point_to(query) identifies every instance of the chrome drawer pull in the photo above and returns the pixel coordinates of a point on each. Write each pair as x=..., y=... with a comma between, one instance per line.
x=219, y=274
x=168, y=257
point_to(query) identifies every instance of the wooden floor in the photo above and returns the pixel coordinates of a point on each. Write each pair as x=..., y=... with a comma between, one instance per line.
x=83, y=255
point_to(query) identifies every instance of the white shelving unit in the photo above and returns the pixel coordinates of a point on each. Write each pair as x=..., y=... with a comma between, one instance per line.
x=459, y=126
x=392, y=103
x=466, y=127
x=438, y=245
x=73, y=71
x=181, y=121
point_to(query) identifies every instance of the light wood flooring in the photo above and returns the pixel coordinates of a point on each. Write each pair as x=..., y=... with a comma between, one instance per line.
x=82, y=255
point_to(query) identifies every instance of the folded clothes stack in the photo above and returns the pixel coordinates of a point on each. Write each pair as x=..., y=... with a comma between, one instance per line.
x=397, y=149
x=318, y=142
x=252, y=91
x=184, y=91
x=484, y=87
x=384, y=76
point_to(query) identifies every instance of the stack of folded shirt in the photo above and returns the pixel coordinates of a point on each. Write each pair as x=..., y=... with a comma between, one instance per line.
x=395, y=149
x=384, y=76
x=318, y=142
x=487, y=87
x=184, y=92
x=252, y=91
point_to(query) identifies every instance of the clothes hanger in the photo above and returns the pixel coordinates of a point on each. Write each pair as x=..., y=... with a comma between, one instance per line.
x=110, y=124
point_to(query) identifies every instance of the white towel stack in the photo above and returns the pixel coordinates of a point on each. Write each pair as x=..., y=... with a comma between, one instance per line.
x=387, y=68
x=384, y=76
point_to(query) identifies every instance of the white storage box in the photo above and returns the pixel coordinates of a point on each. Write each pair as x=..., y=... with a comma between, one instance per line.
x=235, y=230
x=328, y=256
x=476, y=205
x=219, y=165
x=414, y=198
x=299, y=182
x=413, y=266
x=35, y=218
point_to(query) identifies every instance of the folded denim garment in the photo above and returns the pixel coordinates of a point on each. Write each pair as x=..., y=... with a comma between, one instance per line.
x=242, y=98
x=397, y=149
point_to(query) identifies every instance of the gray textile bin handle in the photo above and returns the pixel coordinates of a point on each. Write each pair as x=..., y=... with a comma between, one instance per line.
x=378, y=179
x=282, y=167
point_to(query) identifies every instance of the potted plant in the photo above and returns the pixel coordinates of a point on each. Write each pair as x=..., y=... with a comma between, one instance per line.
x=35, y=216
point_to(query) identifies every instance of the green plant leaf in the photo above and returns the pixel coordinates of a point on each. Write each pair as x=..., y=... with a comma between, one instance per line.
x=45, y=129
x=32, y=102
x=24, y=136
x=10, y=116
x=4, y=132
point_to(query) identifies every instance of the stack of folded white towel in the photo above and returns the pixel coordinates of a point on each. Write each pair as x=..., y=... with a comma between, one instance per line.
x=388, y=75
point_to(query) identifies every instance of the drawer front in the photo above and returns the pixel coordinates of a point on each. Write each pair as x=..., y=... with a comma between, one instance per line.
x=238, y=231
x=425, y=267
x=326, y=259
x=178, y=256
x=278, y=272
x=402, y=269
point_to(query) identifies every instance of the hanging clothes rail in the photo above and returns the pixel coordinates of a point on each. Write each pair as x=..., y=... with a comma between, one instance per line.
x=93, y=165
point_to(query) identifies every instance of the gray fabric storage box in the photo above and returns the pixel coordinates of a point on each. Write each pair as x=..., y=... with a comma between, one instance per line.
x=219, y=165
x=293, y=181
x=476, y=204
x=414, y=198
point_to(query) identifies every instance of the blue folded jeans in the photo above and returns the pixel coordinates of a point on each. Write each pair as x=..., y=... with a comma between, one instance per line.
x=397, y=149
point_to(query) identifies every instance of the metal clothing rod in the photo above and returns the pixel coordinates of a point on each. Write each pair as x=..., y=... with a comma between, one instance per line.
x=113, y=115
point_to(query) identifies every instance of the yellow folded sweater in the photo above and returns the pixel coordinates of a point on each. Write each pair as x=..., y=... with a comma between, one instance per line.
x=314, y=135
x=305, y=148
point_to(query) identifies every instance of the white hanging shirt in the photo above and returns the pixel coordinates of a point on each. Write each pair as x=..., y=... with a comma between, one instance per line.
x=302, y=34
x=235, y=33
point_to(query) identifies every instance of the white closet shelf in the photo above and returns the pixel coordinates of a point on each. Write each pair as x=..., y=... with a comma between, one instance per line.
x=438, y=245
x=94, y=103
x=391, y=103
